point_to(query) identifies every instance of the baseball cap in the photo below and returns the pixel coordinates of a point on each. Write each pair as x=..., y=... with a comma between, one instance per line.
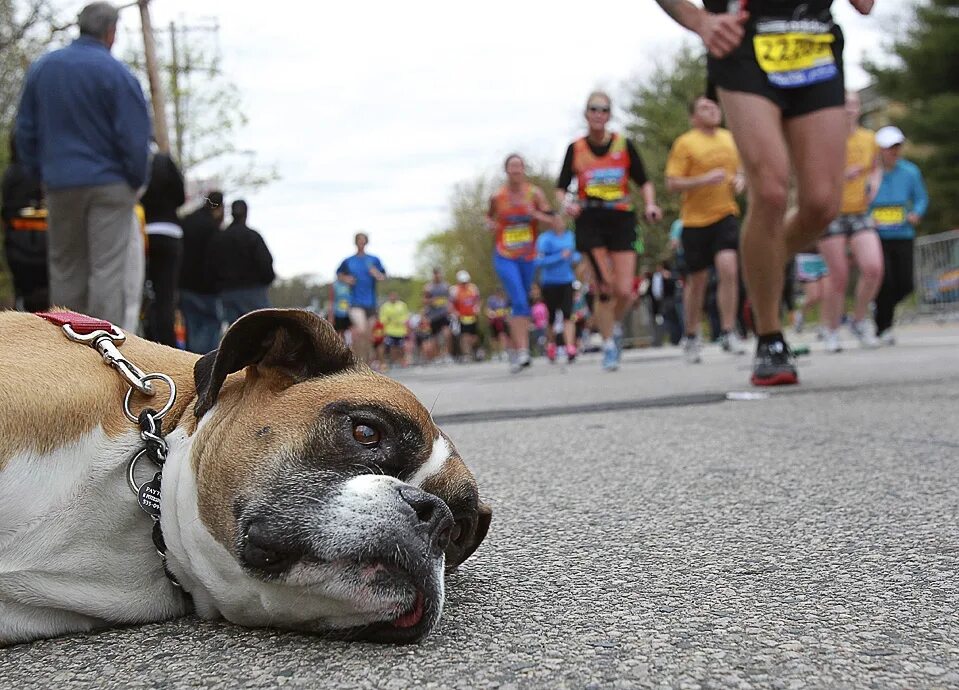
x=889, y=136
x=462, y=277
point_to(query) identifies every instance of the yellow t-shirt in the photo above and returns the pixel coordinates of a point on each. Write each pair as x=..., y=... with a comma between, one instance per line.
x=393, y=316
x=696, y=153
x=861, y=150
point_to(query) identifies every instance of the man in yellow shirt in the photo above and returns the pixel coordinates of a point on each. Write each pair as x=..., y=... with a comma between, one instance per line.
x=855, y=229
x=394, y=315
x=703, y=164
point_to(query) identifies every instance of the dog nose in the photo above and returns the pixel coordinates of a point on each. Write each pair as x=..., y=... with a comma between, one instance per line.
x=431, y=512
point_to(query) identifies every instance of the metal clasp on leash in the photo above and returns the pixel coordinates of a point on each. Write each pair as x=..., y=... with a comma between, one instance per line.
x=105, y=342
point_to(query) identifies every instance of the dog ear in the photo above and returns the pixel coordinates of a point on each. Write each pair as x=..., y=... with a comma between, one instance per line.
x=295, y=342
x=472, y=533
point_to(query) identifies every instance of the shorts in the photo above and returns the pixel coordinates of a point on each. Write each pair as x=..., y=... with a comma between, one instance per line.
x=516, y=275
x=739, y=71
x=558, y=298
x=341, y=323
x=498, y=325
x=701, y=245
x=810, y=268
x=849, y=224
x=392, y=341
x=369, y=311
x=598, y=227
x=469, y=328
x=438, y=324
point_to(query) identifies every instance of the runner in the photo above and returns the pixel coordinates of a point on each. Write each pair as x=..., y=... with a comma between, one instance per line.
x=466, y=300
x=853, y=231
x=703, y=164
x=811, y=272
x=361, y=272
x=555, y=256
x=340, y=293
x=436, y=300
x=603, y=163
x=497, y=314
x=515, y=212
x=899, y=205
x=777, y=65
x=393, y=315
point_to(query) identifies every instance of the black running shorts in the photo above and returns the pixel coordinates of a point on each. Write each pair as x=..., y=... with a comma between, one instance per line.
x=600, y=227
x=701, y=245
x=558, y=298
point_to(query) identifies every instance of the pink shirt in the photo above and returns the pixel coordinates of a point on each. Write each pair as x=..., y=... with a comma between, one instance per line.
x=540, y=315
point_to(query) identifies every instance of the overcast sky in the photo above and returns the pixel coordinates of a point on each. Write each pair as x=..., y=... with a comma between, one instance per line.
x=373, y=111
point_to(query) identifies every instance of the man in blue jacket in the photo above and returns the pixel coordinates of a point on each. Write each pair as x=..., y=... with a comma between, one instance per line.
x=897, y=208
x=83, y=125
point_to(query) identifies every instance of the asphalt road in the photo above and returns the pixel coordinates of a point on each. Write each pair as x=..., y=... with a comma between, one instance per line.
x=648, y=532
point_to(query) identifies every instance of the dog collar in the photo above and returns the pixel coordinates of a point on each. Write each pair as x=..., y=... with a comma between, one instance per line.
x=104, y=337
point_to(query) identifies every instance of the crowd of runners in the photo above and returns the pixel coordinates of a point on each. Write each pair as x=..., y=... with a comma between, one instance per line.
x=775, y=75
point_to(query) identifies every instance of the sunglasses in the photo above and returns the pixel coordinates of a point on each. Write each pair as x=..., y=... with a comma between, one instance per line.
x=598, y=108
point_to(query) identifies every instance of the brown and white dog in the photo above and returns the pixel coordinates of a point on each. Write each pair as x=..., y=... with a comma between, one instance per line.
x=301, y=491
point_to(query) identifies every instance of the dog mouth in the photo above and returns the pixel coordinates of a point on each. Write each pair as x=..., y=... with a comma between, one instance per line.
x=414, y=615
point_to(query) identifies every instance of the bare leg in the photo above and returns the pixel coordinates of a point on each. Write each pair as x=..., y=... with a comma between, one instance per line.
x=604, y=305
x=694, y=293
x=727, y=290
x=361, y=335
x=867, y=251
x=833, y=250
x=624, y=271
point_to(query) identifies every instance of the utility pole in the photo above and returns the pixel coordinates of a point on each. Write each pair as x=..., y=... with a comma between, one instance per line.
x=175, y=89
x=153, y=75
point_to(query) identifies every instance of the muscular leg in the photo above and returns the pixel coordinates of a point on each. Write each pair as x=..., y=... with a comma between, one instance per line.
x=833, y=251
x=727, y=290
x=756, y=124
x=624, y=270
x=867, y=252
x=694, y=292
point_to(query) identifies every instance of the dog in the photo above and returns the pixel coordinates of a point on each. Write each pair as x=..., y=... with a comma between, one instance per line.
x=301, y=490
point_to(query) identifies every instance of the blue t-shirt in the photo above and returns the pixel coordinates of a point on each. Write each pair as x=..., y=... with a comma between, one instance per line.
x=342, y=296
x=901, y=192
x=364, y=289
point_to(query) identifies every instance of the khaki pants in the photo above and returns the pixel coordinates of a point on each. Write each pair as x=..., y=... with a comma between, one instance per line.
x=89, y=241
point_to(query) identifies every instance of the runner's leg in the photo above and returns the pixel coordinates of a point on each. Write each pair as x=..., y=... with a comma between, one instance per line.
x=867, y=252
x=727, y=290
x=833, y=251
x=694, y=293
x=623, y=273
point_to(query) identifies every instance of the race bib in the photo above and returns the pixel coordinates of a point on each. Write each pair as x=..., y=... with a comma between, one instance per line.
x=889, y=215
x=795, y=58
x=605, y=184
x=467, y=320
x=517, y=236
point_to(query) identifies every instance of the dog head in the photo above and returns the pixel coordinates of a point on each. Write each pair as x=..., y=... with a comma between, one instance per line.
x=325, y=498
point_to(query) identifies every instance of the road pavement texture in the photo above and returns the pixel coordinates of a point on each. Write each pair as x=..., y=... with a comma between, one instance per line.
x=648, y=532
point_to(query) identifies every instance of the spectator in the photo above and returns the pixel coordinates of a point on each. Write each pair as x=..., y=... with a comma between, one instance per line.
x=497, y=315
x=436, y=298
x=162, y=198
x=362, y=271
x=198, y=300
x=340, y=295
x=25, y=236
x=897, y=208
x=539, y=320
x=241, y=265
x=83, y=124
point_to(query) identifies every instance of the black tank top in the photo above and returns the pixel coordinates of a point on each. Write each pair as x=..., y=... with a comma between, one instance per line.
x=795, y=9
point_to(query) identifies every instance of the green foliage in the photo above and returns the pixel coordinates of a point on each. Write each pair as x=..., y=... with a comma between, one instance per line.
x=926, y=81
x=658, y=112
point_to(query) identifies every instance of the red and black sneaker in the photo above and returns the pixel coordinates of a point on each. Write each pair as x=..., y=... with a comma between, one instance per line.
x=774, y=365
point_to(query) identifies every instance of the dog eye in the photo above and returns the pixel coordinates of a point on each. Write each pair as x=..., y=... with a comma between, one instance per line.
x=366, y=435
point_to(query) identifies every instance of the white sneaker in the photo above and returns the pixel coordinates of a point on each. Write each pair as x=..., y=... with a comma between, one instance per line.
x=831, y=340
x=865, y=330
x=692, y=350
x=888, y=338
x=731, y=342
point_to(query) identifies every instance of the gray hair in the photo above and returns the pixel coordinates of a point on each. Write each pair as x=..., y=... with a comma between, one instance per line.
x=97, y=18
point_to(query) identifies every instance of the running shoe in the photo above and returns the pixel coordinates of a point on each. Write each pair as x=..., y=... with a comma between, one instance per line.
x=732, y=343
x=865, y=330
x=831, y=340
x=774, y=365
x=610, y=356
x=692, y=350
x=888, y=338
x=551, y=352
x=570, y=353
x=521, y=362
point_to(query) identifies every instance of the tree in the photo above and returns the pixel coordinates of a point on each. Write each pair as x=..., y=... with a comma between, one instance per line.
x=926, y=81
x=658, y=112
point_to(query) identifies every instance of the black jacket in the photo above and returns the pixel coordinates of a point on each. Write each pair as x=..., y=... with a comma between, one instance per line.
x=165, y=194
x=199, y=228
x=238, y=258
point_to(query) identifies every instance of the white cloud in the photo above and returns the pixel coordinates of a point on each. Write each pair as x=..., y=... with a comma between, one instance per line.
x=373, y=111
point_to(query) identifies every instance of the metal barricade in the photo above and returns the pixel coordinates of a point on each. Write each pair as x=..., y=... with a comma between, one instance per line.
x=937, y=274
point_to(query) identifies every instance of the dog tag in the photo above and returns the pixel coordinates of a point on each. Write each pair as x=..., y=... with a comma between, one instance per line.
x=149, y=496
